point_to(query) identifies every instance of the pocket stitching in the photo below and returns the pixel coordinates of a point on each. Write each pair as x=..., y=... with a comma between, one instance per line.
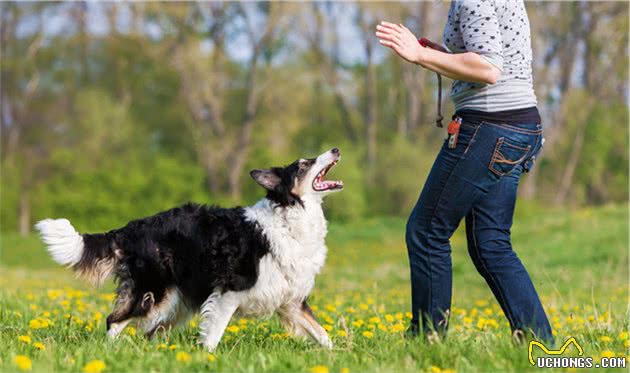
x=497, y=152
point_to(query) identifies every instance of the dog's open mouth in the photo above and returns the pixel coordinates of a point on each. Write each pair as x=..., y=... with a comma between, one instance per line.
x=321, y=185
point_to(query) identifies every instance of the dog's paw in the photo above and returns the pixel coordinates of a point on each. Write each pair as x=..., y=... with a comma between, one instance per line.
x=210, y=346
x=326, y=342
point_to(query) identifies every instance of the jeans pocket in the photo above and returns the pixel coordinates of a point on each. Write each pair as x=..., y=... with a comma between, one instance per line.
x=507, y=155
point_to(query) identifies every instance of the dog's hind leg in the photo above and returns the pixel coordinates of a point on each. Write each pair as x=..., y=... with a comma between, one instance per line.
x=169, y=312
x=216, y=313
x=300, y=321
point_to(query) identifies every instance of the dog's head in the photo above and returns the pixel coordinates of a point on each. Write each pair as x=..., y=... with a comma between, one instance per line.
x=289, y=185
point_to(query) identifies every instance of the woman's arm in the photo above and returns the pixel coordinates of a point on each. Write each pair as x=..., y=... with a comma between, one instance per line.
x=469, y=66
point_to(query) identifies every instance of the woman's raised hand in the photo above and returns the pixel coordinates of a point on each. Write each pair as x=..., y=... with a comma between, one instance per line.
x=398, y=38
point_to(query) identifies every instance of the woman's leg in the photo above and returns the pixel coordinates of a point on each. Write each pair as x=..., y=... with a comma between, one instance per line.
x=446, y=197
x=488, y=232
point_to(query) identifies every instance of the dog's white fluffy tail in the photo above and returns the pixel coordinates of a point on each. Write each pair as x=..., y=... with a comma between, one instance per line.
x=91, y=256
x=64, y=243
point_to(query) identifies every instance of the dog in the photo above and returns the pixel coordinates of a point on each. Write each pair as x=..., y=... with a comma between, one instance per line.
x=252, y=261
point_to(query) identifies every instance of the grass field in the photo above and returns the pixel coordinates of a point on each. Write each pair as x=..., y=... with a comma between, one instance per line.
x=578, y=260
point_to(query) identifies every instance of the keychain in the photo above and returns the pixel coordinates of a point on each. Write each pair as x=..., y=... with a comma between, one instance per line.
x=453, y=132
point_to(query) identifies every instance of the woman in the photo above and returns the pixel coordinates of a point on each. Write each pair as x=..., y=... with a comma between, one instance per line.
x=477, y=171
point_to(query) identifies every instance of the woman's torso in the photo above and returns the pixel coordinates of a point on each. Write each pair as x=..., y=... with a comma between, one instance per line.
x=497, y=30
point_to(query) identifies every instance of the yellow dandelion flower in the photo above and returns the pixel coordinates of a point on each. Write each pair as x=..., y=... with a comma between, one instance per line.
x=94, y=366
x=398, y=315
x=33, y=307
x=130, y=330
x=363, y=306
x=161, y=346
x=488, y=311
x=607, y=353
x=23, y=362
x=375, y=320
x=39, y=323
x=242, y=322
x=46, y=314
x=183, y=357
x=211, y=357
x=396, y=328
x=481, y=323
x=351, y=310
x=173, y=347
x=193, y=323
x=40, y=346
x=358, y=323
x=233, y=329
x=493, y=323
x=468, y=320
x=389, y=318
x=342, y=333
x=97, y=316
x=319, y=369
x=329, y=320
x=408, y=315
x=24, y=338
x=344, y=370
x=605, y=339
x=371, y=326
x=314, y=308
x=626, y=343
x=330, y=308
x=368, y=334
x=328, y=327
x=623, y=336
x=481, y=303
x=435, y=369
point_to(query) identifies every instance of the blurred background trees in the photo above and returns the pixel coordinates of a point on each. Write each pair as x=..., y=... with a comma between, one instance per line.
x=110, y=111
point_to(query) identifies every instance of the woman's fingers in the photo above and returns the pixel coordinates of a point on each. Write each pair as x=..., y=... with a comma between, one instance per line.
x=389, y=37
x=389, y=26
x=390, y=45
x=386, y=30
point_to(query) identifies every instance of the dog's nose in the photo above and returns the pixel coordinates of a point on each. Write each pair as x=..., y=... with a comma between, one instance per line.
x=335, y=151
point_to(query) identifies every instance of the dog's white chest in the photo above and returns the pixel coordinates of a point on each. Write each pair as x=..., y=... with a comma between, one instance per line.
x=297, y=254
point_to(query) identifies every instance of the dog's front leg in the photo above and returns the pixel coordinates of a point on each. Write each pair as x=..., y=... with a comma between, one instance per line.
x=299, y=320
x=216, y=313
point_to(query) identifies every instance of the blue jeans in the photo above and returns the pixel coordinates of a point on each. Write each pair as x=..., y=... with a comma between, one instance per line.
x=478, y=181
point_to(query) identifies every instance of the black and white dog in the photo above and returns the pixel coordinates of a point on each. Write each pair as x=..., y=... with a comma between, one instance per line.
x=253, y=261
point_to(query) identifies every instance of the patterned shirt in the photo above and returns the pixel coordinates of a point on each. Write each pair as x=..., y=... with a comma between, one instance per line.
x=497, y=30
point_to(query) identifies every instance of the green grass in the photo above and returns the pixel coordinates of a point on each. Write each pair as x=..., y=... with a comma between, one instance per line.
x=578, y=260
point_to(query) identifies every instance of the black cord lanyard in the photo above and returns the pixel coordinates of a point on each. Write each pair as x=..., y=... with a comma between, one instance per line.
x=428, y=43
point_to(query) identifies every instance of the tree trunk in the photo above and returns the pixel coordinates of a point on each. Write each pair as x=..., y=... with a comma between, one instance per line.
x=569, y=170
x=24, y=213
x=242, y=146
x=371, y=108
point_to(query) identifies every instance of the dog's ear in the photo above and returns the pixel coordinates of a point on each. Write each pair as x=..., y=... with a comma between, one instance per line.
x=268, y=179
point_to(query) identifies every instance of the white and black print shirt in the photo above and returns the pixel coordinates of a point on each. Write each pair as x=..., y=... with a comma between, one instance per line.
x=497, y=30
